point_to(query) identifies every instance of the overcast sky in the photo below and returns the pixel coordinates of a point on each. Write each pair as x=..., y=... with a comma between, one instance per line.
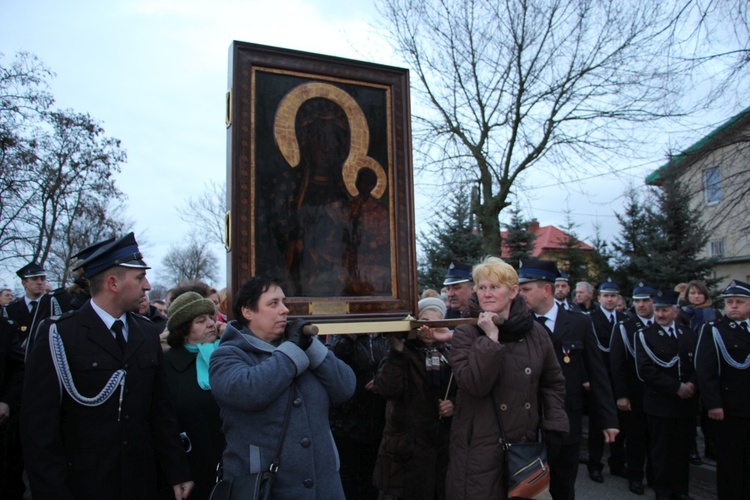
x=154, y=73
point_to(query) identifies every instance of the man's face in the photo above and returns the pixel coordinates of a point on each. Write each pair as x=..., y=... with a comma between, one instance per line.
x=562, y=289
x=737, y=308
x=35, y=286
x=644, y=307
x=6, y=297
x=608, y=300
x=665, y=315
x=132, y=288
x=458, y=295
x=583, y=296
x=537, y=296
x=162, y=308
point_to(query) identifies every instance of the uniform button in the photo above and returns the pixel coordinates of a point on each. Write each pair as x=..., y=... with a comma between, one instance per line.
x=305, y=442
x=297, y=402
x=125, y=366
x=127, y=417
x=527, y=405
x=309, y=483
x=527, y=371
x=125, y=443
x=503, y=407
x=94, y=364
x=523, y=439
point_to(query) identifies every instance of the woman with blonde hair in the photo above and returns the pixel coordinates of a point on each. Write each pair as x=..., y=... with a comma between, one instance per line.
x=513, y=365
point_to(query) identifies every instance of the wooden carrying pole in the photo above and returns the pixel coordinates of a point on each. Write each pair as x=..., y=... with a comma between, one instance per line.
x=397, y=326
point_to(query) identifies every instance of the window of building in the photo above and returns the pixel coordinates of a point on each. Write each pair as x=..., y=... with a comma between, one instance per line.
x=712, y=181
x=717, y=248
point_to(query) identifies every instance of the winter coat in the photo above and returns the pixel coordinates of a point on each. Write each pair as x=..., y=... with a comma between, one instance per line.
x=251, y=380
x=198, y=417
x=521, y=375
x=413, y=456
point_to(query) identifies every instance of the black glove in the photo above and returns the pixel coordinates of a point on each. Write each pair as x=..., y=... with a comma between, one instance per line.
x=294, y=333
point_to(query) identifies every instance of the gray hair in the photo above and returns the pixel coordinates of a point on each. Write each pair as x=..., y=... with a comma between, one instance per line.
x=586, y=285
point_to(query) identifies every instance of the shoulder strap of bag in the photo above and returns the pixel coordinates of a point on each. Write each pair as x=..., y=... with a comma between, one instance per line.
x=275, y=464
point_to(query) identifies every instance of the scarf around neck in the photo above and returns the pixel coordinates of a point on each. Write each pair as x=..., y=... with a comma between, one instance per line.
x=203, y=356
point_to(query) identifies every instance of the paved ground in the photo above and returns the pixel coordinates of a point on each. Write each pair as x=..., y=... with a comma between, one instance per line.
x=702, y=480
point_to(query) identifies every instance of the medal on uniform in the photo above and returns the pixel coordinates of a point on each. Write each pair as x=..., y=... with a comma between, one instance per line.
x=566, y=355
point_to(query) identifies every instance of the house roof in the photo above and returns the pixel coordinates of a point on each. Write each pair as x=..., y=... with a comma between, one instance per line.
x=705, y=144
x=548, y=239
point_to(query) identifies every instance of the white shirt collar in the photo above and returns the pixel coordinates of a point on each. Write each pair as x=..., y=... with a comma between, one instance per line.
x=109, y=320
x=551, y=316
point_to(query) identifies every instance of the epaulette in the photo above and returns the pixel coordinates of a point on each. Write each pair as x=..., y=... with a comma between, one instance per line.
x=64, y=316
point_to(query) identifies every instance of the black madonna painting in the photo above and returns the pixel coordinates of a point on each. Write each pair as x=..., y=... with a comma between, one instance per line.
x=322, y=168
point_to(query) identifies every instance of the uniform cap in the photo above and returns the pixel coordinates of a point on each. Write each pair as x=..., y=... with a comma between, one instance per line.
x=737, y=289
x=457, y=273
x=31, y=270
x=608, y=286
x=121, y=252
x=537, y=270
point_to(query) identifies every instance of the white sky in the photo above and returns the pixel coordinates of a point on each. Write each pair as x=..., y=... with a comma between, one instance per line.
x=154, y=73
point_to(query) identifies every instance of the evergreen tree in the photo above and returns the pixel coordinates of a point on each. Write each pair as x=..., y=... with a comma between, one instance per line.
x=599, y=268
x=662, y=245
x=451, y=239
x=519, y=241
x=572, y=260
x=676, y=247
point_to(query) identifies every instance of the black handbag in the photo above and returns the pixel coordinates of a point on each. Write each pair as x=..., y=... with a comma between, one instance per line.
x=256, y=486
x=526, y=471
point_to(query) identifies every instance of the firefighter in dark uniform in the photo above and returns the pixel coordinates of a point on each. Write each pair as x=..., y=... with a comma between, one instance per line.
x=460, y=284
x=574, y=342
x=96, y=418
x=28, y=312
x=606, y=319
x=722, y=365
x=628, y=388
x=664, y=354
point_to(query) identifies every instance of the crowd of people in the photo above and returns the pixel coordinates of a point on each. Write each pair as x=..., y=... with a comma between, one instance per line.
x=107, y=395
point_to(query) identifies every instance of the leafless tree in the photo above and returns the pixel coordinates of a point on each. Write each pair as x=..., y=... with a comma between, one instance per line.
x=206, y=212
x=554, y=85
x=193, y=260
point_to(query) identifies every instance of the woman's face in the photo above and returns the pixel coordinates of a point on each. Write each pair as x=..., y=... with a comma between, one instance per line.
x=202, y=330
x=495, y=297
x=695, y=297
x=269, y=321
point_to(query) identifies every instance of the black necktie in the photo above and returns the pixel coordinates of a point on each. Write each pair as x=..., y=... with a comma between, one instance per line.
x=743, y=325
x=117, y=328
x=649, y=323
x=611, y=321
x=33, y=304
x=543, y=321
x=671, y=332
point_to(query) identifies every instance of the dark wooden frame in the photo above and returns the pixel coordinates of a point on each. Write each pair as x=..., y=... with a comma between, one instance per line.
x=250, y=64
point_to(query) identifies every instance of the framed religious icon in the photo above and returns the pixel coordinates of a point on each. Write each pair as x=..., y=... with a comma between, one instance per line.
x=320, y=187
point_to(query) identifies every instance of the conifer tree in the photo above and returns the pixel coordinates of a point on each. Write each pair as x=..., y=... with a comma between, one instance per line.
x=519, y=241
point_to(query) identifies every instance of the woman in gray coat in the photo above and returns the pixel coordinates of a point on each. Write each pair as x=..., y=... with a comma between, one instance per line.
x=516, y=364
x=261, y=359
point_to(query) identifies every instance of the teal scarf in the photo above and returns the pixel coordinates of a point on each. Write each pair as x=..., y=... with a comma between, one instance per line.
x=203, y=352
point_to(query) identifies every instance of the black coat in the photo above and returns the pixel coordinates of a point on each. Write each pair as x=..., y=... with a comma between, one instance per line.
x=81, y=452
x=625, y=379
x=662, y=383
x=11, y=366
x=198, y=416
x=722, y=385
x=574, y=336
x=26, y=323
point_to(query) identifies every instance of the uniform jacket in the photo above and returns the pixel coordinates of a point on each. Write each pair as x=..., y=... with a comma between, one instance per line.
x=660, y=383
x=198, y=416
x=75, y=451
x=722, y=385
x=604, y=331
x=413, y=454
x=574, y=337
x=50, y=304
x=361, y=418
x=251, y=380
x=625, y=379
x=522, y=376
